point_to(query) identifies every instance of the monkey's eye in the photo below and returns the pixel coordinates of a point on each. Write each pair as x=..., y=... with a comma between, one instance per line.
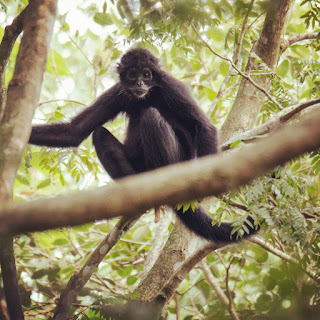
x=147, y=74
x=132, y=74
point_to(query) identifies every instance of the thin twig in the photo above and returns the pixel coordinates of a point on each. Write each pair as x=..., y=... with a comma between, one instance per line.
x=66, y=100
x=282, y=255
x=246, y=76
x=217, y=289
x=10, y=36
x=242, y=33
x=177, y=306
x=227, y=280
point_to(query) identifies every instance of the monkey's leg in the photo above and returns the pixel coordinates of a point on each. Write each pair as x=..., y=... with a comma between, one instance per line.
x=159, y=142
x=111, y=154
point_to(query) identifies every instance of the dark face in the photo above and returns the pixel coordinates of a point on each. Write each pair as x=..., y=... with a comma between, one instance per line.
x=139, y=81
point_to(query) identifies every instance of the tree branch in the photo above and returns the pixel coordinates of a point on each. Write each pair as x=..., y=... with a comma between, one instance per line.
x=80, y=278
x=279, y=119
x=217, y=289
x=212, y=175
x=282, y=255
x=296, y=38
x=236, y=60
x=249, y=100
x=244, y=75
x=172, y=284
x=10, y=36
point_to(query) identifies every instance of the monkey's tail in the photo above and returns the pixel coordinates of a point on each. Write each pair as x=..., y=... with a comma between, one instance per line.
x=200, y=223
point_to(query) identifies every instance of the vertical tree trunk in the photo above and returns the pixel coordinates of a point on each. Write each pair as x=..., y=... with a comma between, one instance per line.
x=249, y=100
x=244, y=112
x=15, y=126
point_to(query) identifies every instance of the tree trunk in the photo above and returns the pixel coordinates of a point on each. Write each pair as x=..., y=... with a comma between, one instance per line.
x=22, y=99
x=249, y=100
x=242, y=117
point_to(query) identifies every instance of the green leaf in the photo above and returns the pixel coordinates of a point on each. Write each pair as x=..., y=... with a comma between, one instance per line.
x=269, y=282
x=23, y=179
x=216, y=34
x=61, y=242
x=196, y=65
x=276, y=274
x=224, y=67
x=103, y=18
x=236, y=144
x=45, y=183
x=56, y=64
x=131, y=281
x=211, y=94
x=283, y=68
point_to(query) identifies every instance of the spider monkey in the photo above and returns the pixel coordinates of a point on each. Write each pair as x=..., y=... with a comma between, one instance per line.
x=165, y=126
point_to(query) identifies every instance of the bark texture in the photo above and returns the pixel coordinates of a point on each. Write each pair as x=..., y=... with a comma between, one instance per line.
x=249, y=100
x=23, y=94
x=212, y=175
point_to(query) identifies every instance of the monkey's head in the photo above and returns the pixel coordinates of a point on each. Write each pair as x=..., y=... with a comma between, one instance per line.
x=137, y=70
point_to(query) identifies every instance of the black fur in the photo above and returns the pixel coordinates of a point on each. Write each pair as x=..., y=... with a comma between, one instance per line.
x=165, y=126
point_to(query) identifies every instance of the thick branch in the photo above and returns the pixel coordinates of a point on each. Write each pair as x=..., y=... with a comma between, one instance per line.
x=277, y=120
x=172, y=284
x=79, y=279
x=211, y=175
x=296, y=38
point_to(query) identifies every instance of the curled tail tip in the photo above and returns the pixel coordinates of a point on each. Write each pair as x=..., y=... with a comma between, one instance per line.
x=200, y=223
x=248, y=229
x=224, y=232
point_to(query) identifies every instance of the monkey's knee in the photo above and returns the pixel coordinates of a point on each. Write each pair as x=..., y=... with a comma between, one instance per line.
x=104, y=142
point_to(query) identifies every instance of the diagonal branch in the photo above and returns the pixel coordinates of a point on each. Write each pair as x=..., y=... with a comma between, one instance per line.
x=212, y=175
x=296, y=38
x=217, y=289
x=279, y=119
x=171, y=286
x=236, y=60
x=79, y=279
x=282, y=255
x=244, y=75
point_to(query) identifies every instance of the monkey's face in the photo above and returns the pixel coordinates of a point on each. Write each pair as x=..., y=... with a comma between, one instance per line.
x=139, y=81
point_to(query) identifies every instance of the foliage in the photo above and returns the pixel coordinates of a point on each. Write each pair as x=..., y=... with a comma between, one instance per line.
x=311, y=16
x=285, y=203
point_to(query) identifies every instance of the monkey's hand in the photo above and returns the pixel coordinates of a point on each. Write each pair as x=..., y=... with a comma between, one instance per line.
x=157, y=213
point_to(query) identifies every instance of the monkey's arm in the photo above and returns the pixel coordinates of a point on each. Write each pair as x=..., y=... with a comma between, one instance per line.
x=206, y=138
x=179, y=100
x=71, y=134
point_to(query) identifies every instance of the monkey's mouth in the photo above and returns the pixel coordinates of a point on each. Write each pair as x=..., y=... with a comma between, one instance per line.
x=140, y=93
